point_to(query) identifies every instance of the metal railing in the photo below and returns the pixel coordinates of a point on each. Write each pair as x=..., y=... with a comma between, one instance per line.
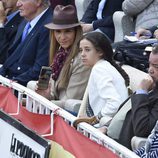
x=38, y=104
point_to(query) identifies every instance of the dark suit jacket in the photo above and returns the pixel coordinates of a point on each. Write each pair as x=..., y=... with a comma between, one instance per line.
x=26, y=58
x=141, y=119
x=7, y=35
x=106, y=24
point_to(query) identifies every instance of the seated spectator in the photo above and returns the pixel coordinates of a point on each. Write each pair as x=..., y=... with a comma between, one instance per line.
x=98, y=16
x=143, y=115
x=150, y=150
x=29, y=51
x=9, y=22
x=144, y=13
x=107, y=83
x=69, y=75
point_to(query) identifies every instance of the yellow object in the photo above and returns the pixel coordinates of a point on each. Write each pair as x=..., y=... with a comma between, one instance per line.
x=57, y=151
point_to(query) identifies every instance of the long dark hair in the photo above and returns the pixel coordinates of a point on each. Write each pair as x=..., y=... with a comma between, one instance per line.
x=102, y=44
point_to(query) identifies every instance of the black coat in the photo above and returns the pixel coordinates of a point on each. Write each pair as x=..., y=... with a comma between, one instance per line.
x=7, y=35
x=106, y=24
x=141, y=119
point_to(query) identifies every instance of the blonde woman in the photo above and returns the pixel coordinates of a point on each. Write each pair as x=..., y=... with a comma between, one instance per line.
x=69, y=75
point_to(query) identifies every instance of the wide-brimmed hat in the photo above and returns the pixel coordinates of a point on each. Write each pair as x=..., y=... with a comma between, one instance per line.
x=64, y=17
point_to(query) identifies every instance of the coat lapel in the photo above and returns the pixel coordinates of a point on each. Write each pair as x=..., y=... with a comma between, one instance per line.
x=19, y=33
x=14, y=21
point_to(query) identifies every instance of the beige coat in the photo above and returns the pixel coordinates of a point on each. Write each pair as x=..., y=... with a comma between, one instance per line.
x=79, y=75
x=73, y=94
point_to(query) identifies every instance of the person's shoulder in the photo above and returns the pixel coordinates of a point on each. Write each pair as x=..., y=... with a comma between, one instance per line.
x=17, y=17
x=101, y=65
x=47, y=16
x=77, y=63
x=77, y=60
x=104, y=67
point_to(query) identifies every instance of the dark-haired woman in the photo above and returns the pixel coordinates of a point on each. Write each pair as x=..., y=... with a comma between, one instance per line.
x=107, y=85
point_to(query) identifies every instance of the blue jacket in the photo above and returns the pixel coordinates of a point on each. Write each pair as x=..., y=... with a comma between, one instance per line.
x=7, y=35
x=26, y=58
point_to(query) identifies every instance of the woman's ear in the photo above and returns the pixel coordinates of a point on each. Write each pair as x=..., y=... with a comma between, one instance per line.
x=100, y=54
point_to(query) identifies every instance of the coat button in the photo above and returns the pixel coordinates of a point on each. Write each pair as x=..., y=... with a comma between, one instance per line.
x=18, y=68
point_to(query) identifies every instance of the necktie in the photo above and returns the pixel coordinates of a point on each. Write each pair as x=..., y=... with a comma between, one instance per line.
x=25, y=32
x=100, y=9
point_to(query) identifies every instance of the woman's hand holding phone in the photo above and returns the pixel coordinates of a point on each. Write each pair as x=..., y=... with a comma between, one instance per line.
x=44, y=92
x=43, y=85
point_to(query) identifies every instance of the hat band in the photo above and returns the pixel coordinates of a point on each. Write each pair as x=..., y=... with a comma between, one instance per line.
x=65, y=22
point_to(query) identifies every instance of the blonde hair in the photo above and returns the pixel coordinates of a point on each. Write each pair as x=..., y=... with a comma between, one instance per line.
x=54, y=46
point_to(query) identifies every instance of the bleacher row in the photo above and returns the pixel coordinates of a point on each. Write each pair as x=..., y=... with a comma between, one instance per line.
x=38, y=104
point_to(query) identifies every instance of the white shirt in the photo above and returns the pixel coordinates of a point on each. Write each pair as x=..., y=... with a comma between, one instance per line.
x=106, y=88
x=100, y=9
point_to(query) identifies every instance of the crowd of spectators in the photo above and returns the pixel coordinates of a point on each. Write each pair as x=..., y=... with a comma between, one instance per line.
x=42, y=33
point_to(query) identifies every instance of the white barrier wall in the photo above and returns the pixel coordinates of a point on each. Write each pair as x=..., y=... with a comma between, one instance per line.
x=39, y=104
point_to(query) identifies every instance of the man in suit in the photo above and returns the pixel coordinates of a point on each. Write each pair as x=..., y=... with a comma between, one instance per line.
x=9, y=21
x=98, y=16
x=30, y=52
x=142, y=117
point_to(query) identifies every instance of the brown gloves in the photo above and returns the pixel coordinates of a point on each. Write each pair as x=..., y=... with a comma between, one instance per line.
x=90, y=120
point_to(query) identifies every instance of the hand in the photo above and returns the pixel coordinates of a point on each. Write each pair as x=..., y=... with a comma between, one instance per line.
x=156, y=34
x=2, y=13
x=147, y=84
x=103, y=129
x=90, y=120
x=143, y=34
x=86, y=27
x=45, y=93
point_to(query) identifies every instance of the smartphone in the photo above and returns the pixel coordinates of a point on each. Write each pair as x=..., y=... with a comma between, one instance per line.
x=44, y=77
